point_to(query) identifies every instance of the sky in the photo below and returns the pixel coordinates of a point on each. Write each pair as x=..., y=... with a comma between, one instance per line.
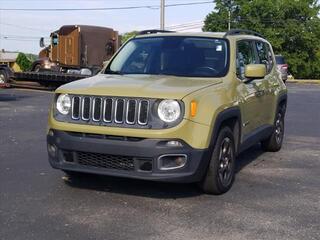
x=26, y=27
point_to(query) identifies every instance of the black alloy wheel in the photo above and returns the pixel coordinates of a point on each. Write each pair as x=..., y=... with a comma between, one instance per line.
x=221, y=170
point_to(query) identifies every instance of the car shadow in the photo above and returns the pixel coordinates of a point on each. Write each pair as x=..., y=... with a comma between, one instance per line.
x=149, y=188
x=248, y=156
x=134, y=187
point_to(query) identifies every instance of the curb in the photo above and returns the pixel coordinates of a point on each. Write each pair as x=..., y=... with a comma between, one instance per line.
x=303, y=81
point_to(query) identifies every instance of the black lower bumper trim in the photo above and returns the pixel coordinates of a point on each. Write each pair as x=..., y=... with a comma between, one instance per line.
x=124, y=158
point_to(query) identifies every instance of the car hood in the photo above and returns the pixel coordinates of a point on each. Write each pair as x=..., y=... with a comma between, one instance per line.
x=148, y=86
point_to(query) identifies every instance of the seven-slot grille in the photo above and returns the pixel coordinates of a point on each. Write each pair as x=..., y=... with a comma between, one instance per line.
x=110, y=110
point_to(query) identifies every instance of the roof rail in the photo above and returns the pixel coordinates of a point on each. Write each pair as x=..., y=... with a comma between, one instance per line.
x=151, y=31
x=242, y=31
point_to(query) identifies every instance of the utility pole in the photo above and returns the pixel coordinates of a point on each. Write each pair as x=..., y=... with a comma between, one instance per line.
x=162, y=8
x=229, y=19
x=229, y=14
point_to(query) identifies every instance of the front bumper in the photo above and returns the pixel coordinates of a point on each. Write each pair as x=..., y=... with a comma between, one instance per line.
x=123, y=157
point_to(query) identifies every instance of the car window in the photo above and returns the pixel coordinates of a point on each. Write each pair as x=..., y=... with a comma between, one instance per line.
x=55, y=40
x=245, y=56
x=264, y=55
x=178, y=56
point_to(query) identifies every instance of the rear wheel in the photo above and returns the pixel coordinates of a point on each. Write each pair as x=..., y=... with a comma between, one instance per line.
x=274, y=142
x=221, y=169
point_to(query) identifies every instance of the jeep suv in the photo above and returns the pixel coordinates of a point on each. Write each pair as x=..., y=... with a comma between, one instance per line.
x=174, y=107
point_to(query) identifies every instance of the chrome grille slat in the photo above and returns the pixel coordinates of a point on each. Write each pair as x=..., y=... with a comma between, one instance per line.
x=76, y=108
x=143, y=112
x=107, y=109
x=131, y=111
x=96, y=109
x=85, y=108
x=119, y=110
x=110, y=110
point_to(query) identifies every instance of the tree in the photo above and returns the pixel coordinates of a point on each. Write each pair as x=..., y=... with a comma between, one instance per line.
x=23, y=62
x=292, y=27
x=128, y=35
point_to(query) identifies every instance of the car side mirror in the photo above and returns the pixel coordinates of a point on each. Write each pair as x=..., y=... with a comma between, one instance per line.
x=253, y=71
x=42, y=45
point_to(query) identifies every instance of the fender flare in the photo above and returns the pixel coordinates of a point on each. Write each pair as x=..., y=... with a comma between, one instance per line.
x=282, y=98
x=232, y=112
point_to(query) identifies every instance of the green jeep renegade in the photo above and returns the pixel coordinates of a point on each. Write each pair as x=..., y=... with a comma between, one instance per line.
x=174, y=107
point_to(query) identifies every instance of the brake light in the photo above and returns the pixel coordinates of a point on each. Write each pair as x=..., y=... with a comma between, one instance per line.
x=284, y=66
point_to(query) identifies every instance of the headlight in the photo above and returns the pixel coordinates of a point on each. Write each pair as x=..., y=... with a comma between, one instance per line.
x=63, y=104
x=169, y=110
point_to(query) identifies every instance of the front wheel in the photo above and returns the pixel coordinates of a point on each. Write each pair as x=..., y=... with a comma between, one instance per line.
x=221, y=169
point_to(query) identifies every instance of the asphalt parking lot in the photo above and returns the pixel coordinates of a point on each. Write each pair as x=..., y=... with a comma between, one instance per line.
x=275, y=195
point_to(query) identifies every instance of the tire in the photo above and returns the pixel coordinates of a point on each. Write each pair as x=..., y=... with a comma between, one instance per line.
x=37, y=68
x=274, y=142
x=221, y=170
x=3, y=77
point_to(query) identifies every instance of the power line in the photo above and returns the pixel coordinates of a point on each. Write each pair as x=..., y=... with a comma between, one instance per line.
x=186, y=27
x=24, y=27
x=105, y=8
x=185, y=24
x=21, y=36
x=19, y=40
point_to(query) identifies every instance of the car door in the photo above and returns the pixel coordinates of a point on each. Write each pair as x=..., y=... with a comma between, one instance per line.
x=248, y=90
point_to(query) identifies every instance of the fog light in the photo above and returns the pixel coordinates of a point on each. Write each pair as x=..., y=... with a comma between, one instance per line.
x=52, y=150
x=172, y=161
x=50, y=133
x=174, y=144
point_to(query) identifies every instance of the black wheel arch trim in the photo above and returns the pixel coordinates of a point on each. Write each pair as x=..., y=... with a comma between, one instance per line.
x=282, y=98
x=225, y=115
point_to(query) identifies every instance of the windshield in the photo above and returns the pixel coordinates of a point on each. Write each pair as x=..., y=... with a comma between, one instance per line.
x=179, y=56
